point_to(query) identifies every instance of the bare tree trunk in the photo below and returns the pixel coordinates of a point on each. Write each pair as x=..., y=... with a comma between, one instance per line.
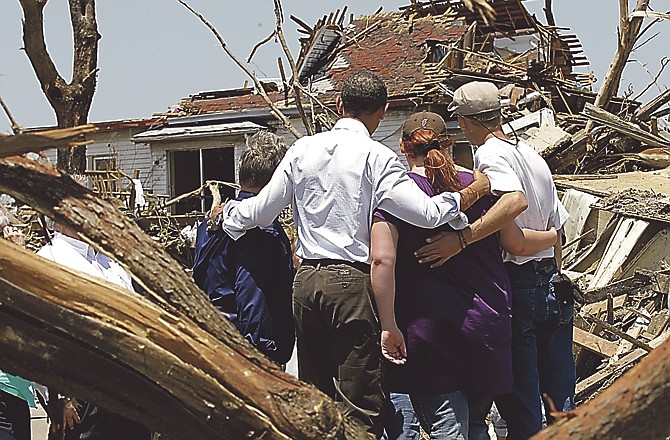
x=629, y=27
x=71, y=101
x=262, y=397
x=634, y=407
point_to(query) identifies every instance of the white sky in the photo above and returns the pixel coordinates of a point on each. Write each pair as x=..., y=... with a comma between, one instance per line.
x=154, y=52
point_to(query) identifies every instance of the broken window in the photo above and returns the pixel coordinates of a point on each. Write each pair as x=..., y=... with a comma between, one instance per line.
x=437, y=51
x=192, y=168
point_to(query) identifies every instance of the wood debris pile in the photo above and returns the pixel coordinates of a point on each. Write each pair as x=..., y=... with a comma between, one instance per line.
x=616, y=248
x=612, y=334
x=636, y=138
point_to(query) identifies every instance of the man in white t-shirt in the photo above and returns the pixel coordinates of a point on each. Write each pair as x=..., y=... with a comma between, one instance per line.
x=541, y=323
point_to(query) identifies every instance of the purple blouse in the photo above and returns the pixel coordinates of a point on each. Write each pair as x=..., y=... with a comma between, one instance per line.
x=456, y=318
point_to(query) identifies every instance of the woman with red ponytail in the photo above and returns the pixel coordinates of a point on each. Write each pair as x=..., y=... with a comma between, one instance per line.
x=454, y=320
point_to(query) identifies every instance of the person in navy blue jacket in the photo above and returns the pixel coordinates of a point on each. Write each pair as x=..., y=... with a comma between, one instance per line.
x=250, y=280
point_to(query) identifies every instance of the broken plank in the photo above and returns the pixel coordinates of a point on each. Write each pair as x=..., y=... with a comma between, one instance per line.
x=596, y=308
x=594, y=343
x=625, y=336
x=616, y=123
x=584, y=387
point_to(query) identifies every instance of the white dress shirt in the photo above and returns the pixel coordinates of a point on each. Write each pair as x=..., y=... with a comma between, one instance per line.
x=78, y=255
x=335, y=181
x=519, y=168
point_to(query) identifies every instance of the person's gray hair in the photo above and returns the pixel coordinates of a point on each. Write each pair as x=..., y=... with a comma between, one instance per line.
x=264, y=152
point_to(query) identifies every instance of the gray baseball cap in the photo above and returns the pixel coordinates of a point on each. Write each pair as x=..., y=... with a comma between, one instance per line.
x=475, y=98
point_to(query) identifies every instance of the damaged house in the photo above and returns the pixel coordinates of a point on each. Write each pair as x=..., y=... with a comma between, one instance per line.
x=423, y=51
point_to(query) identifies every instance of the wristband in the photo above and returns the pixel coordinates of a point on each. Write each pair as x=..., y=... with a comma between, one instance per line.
x=461, y=239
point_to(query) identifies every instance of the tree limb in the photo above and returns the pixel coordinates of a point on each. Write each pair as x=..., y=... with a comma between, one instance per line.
x=628, y=32
x=294, y=69
x=36, y=48
x=259, y=44
x=59, y=138
x=549, y=13
x=293, y=408
x=16, y=128
x=259, y=87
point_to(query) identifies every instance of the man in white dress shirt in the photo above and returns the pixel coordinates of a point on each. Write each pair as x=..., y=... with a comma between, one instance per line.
x=83, y=420
x=335, y=181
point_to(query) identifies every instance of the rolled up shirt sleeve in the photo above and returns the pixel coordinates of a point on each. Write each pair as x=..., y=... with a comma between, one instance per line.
x=262, y=209
x=502, y=177
x=398, y=195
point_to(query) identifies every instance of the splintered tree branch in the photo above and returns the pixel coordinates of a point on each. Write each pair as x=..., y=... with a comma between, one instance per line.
x=259, y=44
x=294, y=69
x=16, y=128
x=261, y=399
x=629, y=28
x=259, y=87
x=549, y=13
x=59, y=138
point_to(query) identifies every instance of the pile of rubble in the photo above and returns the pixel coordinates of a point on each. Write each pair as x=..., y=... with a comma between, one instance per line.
x=617, y=241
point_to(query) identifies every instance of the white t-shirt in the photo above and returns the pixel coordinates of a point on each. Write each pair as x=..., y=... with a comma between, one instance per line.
x=335, y=181
x=518, y=167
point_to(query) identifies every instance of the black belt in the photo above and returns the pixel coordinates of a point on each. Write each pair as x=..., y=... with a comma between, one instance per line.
x=545, y=265
x=363, y=267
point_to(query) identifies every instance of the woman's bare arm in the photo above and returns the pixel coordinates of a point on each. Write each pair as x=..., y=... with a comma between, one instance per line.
x=384, y=242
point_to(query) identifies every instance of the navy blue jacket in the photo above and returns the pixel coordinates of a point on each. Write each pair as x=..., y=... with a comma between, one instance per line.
x=250, y=280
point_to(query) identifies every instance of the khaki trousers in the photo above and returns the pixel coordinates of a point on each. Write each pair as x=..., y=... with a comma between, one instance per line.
x=338, y=339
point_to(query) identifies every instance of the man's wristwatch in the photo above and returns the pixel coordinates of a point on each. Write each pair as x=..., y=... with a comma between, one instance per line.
x=218, y=220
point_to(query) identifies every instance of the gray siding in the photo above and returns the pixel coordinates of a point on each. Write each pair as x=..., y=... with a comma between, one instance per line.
x=388, y=132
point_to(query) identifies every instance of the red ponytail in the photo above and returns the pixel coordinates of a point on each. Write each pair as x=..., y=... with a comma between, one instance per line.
x=440, y=168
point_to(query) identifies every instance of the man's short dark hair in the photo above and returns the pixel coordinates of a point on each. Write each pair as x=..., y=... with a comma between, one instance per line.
x=363, y=93
x=264, y=152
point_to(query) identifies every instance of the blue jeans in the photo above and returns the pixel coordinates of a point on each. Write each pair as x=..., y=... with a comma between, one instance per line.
x=479, y=407
x=542, y=359
x=443, y=416
x=401, y=421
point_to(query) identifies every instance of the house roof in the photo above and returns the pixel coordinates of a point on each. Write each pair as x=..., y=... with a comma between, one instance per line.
x=388, y=44
x=393, y=46
x=407, y=48
x=197, y=131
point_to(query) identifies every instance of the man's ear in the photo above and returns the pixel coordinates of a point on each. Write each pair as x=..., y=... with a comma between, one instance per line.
x=384, y=110
x=381, y=113
x=339, y=106
x=462, y=123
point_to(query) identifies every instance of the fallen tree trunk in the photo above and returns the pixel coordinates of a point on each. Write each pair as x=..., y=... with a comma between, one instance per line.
x=634, y=406
x=258, y=396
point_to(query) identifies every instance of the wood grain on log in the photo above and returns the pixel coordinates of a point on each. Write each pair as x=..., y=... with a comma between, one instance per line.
x=254, y=393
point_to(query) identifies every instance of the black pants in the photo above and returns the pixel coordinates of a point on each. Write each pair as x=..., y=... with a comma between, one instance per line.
x=338, y=339
x=14, y=418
